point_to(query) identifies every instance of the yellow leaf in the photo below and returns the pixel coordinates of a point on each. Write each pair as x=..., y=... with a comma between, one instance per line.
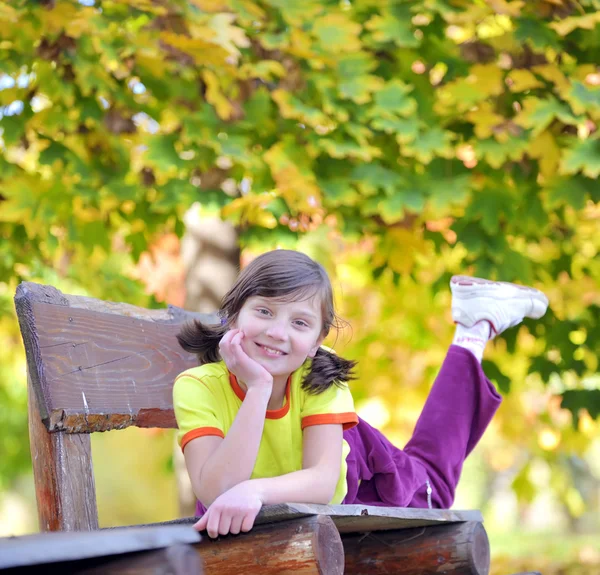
x=8, y=14
x=215, y=96
x=509, y=8
x=522, y=80
x=294, y=178
x=228, y=36
x=488, y=77
x=290, y=107
x=267, y=70
x=301, y=44
x=56, y=20
x=547, y=152
x=211, y=6
x=552, y=73
x=200, y=50
x=484, y=120
x=252, y=208
x=400, y=247
x=337, y=33
x=583, y=71
x=567, y=25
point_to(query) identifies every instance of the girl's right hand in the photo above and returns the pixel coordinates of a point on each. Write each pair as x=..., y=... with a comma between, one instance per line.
x=240, y=364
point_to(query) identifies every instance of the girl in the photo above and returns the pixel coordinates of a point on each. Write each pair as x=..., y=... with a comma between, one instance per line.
x=268, y=417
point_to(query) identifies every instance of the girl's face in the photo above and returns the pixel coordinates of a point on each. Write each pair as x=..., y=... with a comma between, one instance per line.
x=280, y=334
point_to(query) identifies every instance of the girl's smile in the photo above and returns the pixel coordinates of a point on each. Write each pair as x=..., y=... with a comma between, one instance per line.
x=270, y=351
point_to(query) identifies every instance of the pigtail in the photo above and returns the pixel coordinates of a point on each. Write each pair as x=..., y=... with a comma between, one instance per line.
x=327, y=369
x=202, y=340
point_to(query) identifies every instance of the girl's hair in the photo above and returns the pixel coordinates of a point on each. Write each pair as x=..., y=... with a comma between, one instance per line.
x=282, y=274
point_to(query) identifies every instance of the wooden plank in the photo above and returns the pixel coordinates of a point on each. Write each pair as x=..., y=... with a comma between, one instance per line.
x=100, y=365
x=357, y=518
x=63, y=475
x=305, y=546
x=362, y=518
x=452, y=549
x=61, y=546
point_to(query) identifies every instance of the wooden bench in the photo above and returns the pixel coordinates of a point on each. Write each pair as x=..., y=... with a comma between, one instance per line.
x=99, y=366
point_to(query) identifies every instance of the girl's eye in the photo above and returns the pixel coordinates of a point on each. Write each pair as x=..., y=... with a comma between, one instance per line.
x=301, y=323
x=263, y=311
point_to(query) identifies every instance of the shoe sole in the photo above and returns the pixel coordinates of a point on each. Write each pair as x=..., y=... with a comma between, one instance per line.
x=466, y=287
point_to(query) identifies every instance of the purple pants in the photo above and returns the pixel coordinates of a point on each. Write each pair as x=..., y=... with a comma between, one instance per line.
x=460, y=406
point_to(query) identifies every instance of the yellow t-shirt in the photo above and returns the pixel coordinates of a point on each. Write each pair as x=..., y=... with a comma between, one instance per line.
x=207, y=398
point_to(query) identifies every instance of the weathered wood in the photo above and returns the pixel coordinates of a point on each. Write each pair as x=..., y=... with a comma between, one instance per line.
x=362, y=518
x=63, y=475
x=99, y=365
x=453, y=549
x=59, y=547
x=310, y=545
x=175, y=560
x=356, y=518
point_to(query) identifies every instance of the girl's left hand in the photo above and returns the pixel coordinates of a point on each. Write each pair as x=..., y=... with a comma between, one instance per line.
x=232, y=512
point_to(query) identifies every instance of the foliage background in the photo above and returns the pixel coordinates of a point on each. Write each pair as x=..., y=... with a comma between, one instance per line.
x=397, y=142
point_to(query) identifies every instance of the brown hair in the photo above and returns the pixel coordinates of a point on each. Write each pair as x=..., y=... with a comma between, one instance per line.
x=283, y=274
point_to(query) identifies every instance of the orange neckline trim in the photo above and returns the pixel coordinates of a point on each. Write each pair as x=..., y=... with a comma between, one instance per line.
x=271, y=413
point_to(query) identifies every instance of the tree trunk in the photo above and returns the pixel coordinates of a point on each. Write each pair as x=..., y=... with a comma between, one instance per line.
x=211, y=257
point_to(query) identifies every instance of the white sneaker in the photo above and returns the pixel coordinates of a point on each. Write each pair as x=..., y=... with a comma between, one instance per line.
x=502, y=304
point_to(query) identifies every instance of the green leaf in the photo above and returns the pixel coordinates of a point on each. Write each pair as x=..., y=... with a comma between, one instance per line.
x=576, y=399
x=538, y=114
x=492, y=205
x=572, y=191
x=583, y=99
x=536, y=34
x=393, y=101
x=493, y=372
x=393, y=208
x=161, y=154
x=583, y=157
x=337, y=33
x=429, y=144
x=496, y=153
x=452, y=191
x=394, y=25
x=339, y=193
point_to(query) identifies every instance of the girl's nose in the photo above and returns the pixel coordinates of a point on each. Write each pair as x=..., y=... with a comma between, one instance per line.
x=277, y=331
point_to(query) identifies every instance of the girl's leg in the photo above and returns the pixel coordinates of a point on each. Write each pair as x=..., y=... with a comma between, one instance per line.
x=458, y=410
x=461, y=404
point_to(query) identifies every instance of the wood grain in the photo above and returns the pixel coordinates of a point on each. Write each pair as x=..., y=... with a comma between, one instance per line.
x=306, y=546
x=363, y=518
x=453, y=549
x=59, y=547
x=99, y=365
x=63, y=475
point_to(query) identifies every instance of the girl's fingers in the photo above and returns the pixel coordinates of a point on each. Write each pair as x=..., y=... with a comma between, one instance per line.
x=237, y=338
x=248, y=521
x=226, y=339
x=212, y=527
x=201, y=524
x=236, y=524
x=224, y=524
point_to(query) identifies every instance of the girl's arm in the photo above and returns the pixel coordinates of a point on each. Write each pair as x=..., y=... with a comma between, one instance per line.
x=316, y=482
x=215, y=464
x=236, y=510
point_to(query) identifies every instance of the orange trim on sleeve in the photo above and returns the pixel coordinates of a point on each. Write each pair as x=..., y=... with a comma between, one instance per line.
x=349, y=419
x=200, y=432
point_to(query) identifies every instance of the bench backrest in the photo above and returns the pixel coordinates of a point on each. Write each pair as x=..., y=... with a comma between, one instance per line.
x=92, y=366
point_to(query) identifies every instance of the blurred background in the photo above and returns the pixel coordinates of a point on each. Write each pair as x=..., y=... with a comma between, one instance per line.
x=149, y=148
